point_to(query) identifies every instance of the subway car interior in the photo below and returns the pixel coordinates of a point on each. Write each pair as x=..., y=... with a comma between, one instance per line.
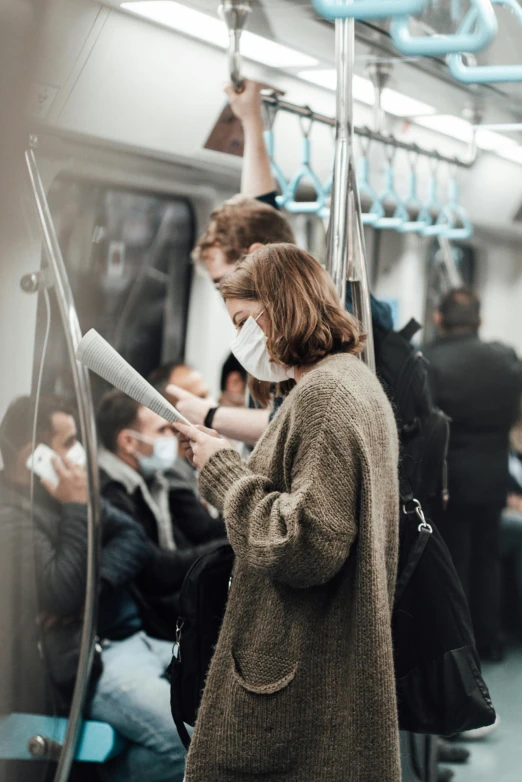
x=386, y=137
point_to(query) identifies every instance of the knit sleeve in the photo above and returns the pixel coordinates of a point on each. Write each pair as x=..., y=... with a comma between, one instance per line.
x=301, y=537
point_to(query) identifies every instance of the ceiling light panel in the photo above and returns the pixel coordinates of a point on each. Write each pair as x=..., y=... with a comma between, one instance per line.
x=212, y=30
x=393, y=102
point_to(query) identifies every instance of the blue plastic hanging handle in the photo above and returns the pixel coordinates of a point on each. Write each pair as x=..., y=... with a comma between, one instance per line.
x=376, y=208
x=410, y=204
x=400, y=215
x=454, y=213
x=304, y=172
x=485, y=74
x=276, y=170
x=432, y=228
x=467, y=39
x=368, y=9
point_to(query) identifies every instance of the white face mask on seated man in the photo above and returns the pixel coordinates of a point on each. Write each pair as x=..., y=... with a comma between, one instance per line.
x=249, y=347
x=163, y=456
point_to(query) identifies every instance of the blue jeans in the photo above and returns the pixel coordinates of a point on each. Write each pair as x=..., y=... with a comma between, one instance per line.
x=133, y=696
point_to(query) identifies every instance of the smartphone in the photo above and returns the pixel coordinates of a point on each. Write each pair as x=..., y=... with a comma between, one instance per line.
x=41, y=463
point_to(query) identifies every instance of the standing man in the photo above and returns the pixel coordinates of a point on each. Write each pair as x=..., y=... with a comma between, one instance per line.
x=478, y=385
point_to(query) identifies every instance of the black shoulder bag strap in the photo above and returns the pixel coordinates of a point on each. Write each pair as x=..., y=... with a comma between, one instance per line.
x=174, y=672
x=410, y=506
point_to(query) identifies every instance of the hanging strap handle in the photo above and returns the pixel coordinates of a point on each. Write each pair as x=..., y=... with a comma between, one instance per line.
x=413, y=202
x=484, y=74
x=390, y=193
x=471, y=37
x=305, y=172
x=270, y=113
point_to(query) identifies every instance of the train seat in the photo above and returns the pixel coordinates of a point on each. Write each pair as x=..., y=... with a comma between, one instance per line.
x=98, y=742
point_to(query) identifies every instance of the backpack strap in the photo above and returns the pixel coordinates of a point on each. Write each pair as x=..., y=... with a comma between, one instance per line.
x=405, y=491
x=425, y=531
x=410, y=329
x=174, y=673
x=416, y=553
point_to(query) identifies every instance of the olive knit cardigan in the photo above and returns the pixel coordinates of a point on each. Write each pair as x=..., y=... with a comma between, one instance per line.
x=301, y=687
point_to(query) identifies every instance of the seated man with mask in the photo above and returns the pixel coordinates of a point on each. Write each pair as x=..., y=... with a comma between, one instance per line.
x=137, y=474
x=43, y=561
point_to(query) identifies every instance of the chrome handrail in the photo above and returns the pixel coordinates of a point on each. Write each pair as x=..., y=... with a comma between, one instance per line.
x=73, y=336
x=346, y=252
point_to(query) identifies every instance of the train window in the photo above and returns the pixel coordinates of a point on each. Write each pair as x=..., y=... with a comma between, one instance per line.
x=128, y=259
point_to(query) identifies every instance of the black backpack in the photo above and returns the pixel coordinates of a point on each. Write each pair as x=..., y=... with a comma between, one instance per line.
x=423, y=428
x=439, y=685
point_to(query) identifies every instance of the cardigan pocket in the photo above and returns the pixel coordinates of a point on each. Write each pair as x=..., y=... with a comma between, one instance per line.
x=261, y=726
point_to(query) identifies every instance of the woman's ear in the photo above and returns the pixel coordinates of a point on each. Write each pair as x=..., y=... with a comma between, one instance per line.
x=254, y=247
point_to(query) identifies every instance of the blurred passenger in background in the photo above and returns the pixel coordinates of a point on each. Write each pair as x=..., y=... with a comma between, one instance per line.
x=137, y=471
x=193, y=382
x=181, y=375
x=130, y=693
x=233, y=383
x=478, y=385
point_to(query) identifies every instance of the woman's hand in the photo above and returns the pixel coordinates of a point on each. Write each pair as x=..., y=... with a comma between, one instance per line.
x=200, y=443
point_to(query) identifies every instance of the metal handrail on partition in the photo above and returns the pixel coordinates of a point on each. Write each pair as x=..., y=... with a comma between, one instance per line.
x=365, y=132
x=345, y=255
x=73, y=336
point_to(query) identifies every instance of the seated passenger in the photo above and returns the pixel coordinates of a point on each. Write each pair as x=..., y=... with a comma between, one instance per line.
x=131, y=694
x=137, y=471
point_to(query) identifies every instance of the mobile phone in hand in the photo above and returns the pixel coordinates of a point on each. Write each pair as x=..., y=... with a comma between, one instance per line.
x=41, y=463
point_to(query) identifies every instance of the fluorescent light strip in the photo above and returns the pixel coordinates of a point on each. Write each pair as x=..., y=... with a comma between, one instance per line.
x=462, y=130
x=509, y=127
x=513, y=153
x=212, y=30
x=393, y=102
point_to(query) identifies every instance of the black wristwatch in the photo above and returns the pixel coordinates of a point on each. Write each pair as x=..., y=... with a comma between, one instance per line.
x=209, y=418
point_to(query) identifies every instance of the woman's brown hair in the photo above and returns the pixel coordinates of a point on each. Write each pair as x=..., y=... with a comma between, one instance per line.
x=306, y=320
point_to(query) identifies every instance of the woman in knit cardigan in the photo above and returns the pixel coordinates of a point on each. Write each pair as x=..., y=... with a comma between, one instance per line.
x=301, y=687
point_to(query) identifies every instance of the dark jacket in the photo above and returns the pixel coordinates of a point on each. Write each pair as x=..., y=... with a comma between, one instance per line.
x=478, y=385
x=43, y=565
x=195, y=533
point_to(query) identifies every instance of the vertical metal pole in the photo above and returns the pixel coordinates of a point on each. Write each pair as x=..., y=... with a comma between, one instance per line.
x=345, y=255
x=73, y=336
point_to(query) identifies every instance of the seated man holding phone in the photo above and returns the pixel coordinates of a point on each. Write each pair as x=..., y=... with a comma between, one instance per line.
x=43, y=553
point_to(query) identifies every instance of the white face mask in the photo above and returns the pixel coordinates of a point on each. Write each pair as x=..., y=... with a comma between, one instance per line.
x=163, y=456
x=249, y=347
x=76, y=455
